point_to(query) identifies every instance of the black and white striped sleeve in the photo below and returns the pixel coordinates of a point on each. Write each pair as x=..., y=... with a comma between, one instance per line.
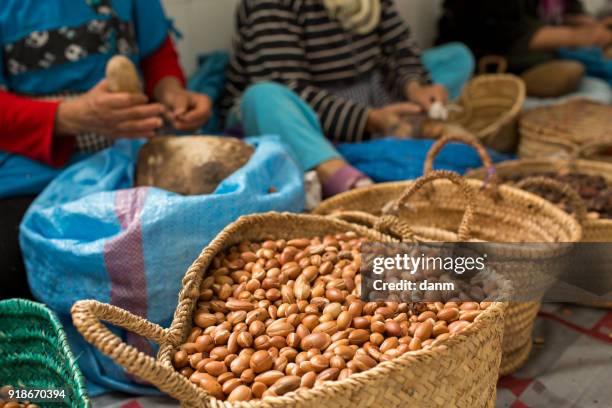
x=402, y=56
x=269, y=48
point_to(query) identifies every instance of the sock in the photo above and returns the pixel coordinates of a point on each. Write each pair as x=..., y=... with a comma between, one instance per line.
x=345, y=179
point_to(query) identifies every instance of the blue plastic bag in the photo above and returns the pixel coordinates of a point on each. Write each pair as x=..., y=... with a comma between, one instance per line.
x=403, y=159
x=20, y=176
x=90, y=235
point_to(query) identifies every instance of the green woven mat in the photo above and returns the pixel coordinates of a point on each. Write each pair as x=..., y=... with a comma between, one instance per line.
x=34, y=353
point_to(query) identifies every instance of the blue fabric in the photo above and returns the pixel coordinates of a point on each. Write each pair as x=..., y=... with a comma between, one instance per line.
x=19, y=18
x=209, y=79
x=75, y=236
x=396, y=160
x=21, y=176
x=451, y=65
x=594, y=60
x=271, y=108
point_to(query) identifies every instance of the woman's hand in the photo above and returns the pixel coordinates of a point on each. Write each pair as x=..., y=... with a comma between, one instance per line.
x=110, y=114
x=426, y=95
x=390, y=120
x=186, y=111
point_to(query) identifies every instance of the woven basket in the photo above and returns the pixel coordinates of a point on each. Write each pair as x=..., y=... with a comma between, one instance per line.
x=489, y=108
x=592, y=230
x=559, y=131
x=461, y=372
x=34, y=353
x=501, y=214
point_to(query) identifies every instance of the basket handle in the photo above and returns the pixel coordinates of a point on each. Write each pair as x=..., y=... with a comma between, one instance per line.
x=590, y=149
x=464, y=232
x=469, y=140
x=499, y=62
x=577, y=202
x=387, y=224
x=87, y=316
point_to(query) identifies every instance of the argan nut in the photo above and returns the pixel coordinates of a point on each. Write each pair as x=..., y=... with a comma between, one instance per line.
x=181, y=359
x=230, y=385
x=358, y=336
x=261, y=361
x=212, y=387
x=204, y=320
x=316, y=340
x=240, y=393
x=258, y=389
x=269, y=377
x=215, y=368
x=286, y=384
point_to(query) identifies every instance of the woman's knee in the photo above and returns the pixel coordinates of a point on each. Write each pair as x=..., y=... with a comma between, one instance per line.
x=265, y=91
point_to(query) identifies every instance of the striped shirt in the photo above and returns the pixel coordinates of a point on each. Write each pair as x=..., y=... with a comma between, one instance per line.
x=296, y=43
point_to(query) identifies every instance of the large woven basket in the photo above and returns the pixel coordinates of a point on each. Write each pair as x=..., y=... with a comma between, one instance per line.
x=460, y=373
x=560, y=131
x=593, y=230
x=34, y=353
x=599, y=230
x=501, y=214
x=489, y=108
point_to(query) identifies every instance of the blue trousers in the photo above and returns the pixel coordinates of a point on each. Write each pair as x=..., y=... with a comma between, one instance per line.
x=270, y=108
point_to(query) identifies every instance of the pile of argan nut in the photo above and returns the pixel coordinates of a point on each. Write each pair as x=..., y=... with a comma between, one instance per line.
x=278, y=316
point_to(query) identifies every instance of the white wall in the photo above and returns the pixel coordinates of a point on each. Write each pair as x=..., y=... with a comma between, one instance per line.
x=208, y=24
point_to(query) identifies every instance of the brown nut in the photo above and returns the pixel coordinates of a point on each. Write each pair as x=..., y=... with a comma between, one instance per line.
x=269, y=377
x=358, y=336
x=210, y=385
x=204, y=320
x=286, y=384
x=308, y=380
x=215, y=368
x=316, y=341
x=230, y=385
x=261, y=361
x=240, y=393
x=258, y=389
x=279, y=328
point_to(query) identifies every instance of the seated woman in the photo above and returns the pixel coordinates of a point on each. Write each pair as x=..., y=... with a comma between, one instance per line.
x=526, y=32
x=54, y=100
x=344, y=71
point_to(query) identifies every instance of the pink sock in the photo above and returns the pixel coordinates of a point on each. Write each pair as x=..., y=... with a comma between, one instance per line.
x=344, y=179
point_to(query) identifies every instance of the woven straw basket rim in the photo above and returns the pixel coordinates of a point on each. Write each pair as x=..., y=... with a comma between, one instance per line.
x=562, y=130
x=333, y=204
x=512, y=112
x=588, y=167
x=170, y=339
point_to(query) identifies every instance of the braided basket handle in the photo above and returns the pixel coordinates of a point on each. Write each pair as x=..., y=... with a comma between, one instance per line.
x=87, y=316
x=589, y=150
x=577, y=202
x=500, y=63
x=464, y=233
x=469, y=140
x=387, y=224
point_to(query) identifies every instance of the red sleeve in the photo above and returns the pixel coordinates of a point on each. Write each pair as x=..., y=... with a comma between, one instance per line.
x=26, y=128
x=162, y=63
